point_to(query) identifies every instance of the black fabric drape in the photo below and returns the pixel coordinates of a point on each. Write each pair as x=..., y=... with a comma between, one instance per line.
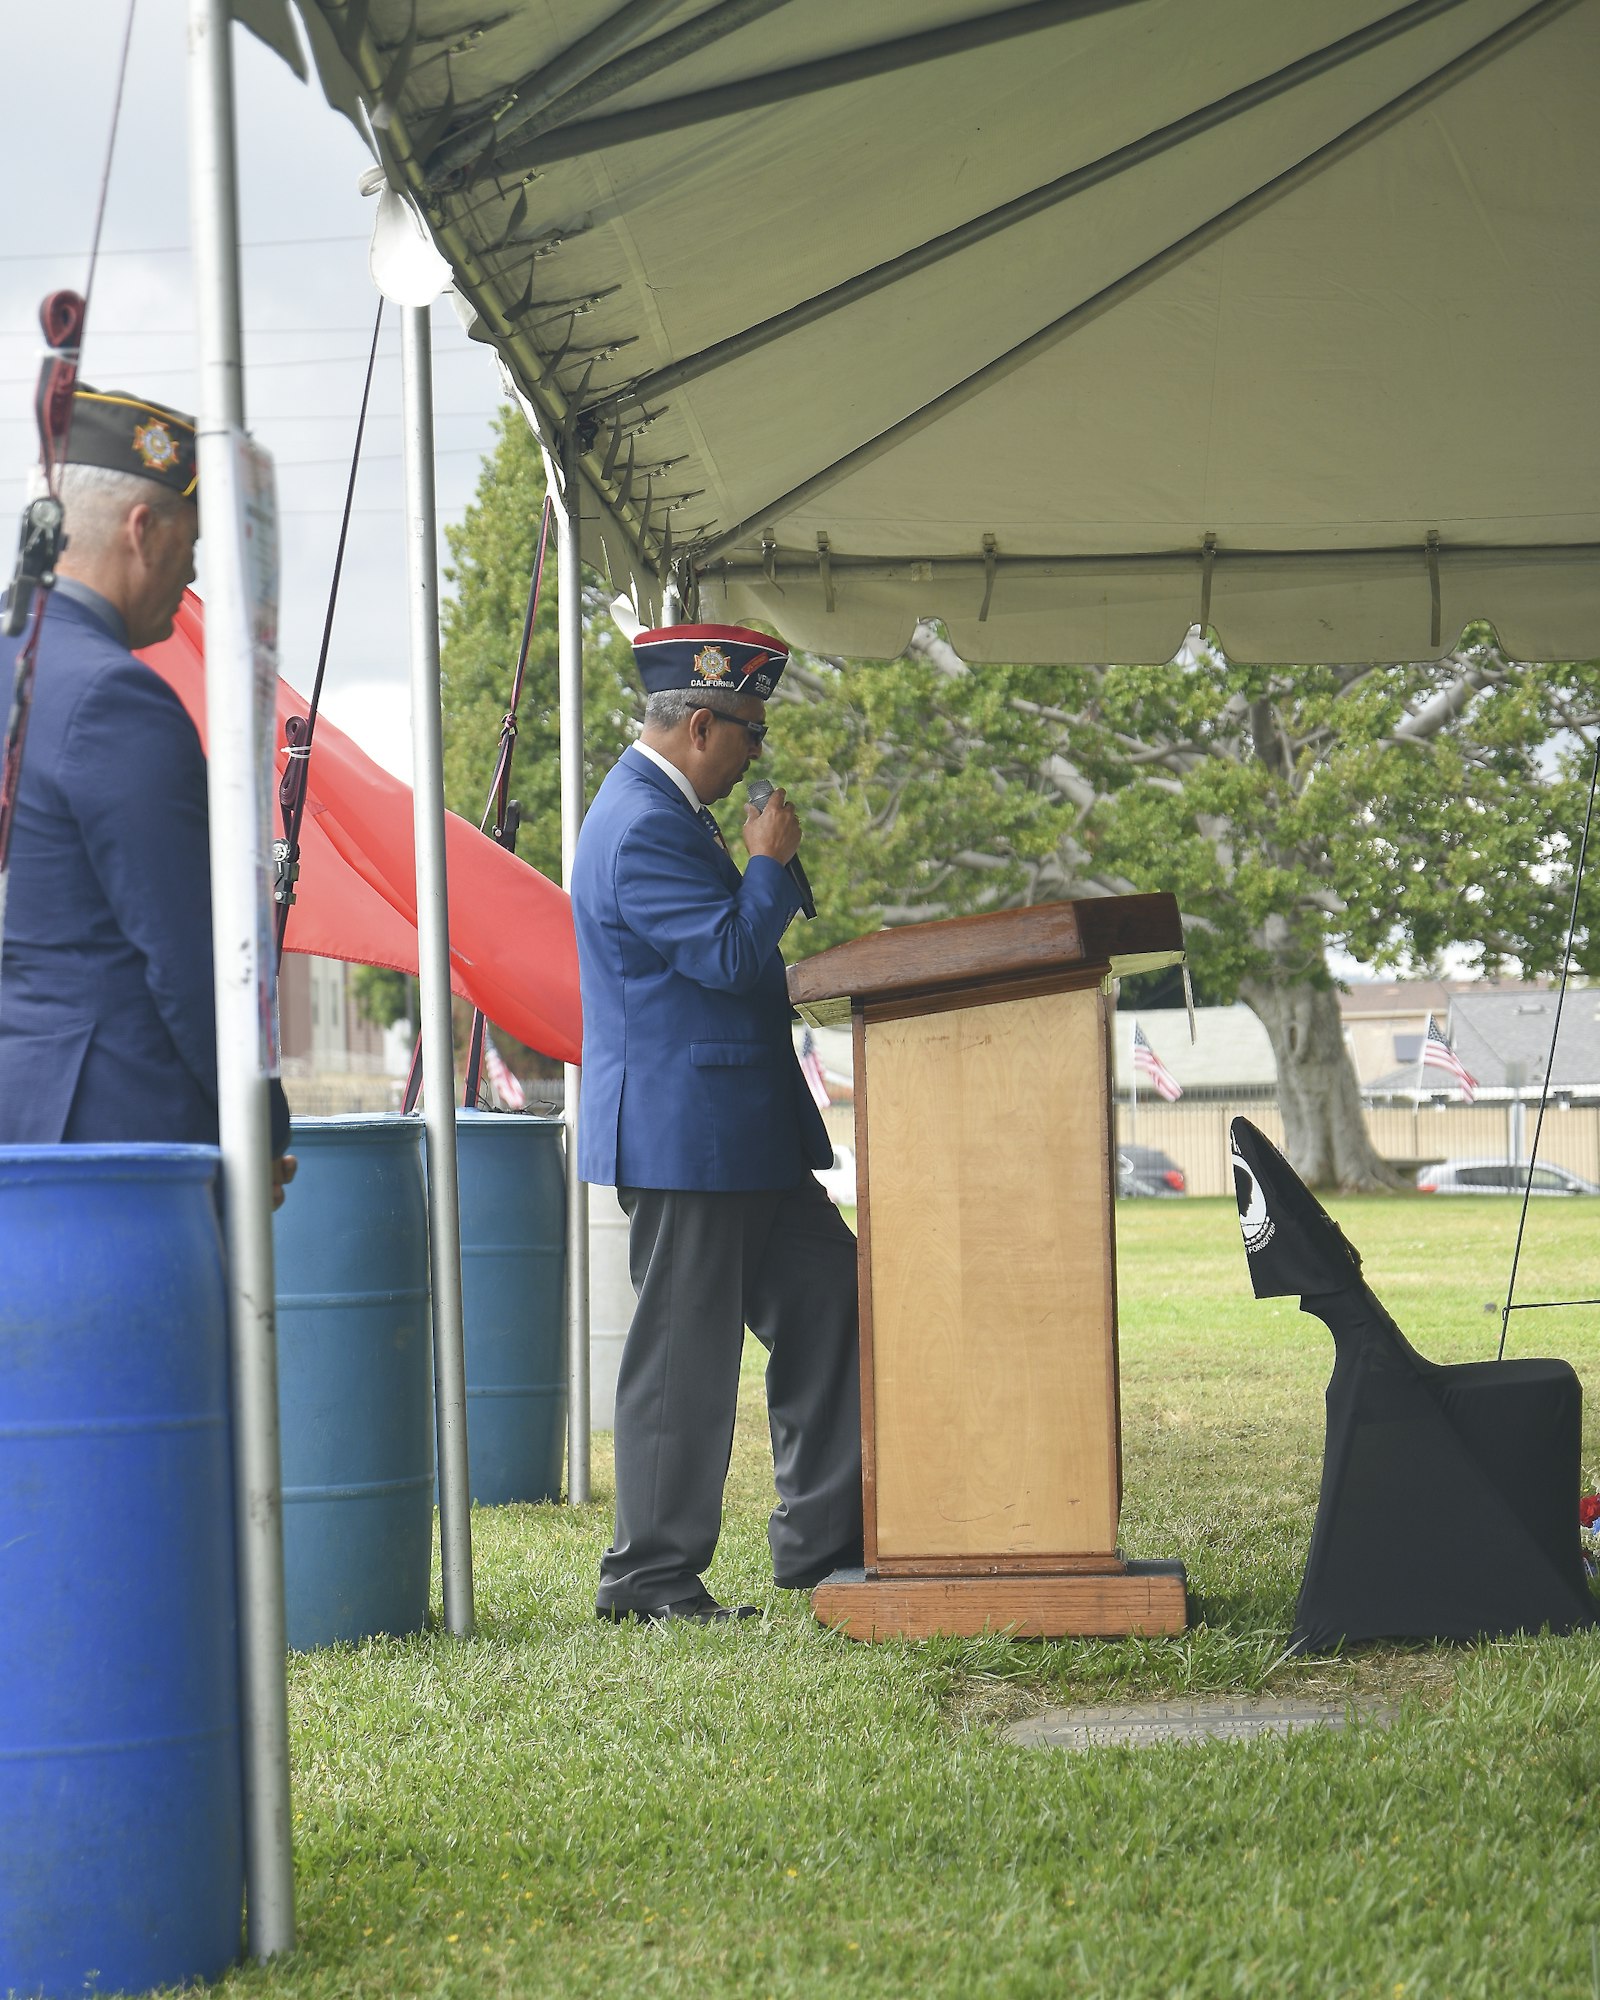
x=1449, y=1503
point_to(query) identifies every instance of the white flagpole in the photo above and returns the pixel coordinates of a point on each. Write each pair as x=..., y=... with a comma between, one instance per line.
x=569, y=586
x=433, y=973
x=243, y=984
x=1133, y=1085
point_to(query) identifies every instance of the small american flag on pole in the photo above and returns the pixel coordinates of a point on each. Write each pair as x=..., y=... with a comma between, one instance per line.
x=1438, y=1054
x=811, y=1067
x=501, y=1080
x=1150, y=1066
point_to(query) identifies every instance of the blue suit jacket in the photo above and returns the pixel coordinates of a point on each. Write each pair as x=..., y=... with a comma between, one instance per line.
x=107, y=1018
x=689, y=1073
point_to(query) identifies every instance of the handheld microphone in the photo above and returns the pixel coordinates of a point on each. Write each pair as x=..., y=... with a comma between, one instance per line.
x=758, y=791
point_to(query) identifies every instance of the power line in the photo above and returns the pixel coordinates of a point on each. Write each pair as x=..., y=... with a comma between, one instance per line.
x=168, y=249
x=324, y=417
x=284, y=361
x=178, y=332
x=380, y=457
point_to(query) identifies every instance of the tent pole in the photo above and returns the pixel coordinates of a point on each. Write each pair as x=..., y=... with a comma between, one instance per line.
x=433, y=969
x=569, y=591
x=244, y=977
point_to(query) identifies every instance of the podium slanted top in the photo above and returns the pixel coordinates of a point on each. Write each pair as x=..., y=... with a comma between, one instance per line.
x=1114, y=935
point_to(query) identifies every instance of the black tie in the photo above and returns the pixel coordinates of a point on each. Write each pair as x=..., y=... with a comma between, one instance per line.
x=708, y=820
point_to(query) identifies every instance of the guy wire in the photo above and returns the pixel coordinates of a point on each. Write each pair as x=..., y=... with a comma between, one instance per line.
x=1550, y=1062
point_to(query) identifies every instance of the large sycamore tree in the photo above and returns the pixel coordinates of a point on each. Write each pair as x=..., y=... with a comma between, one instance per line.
x=1385, y=812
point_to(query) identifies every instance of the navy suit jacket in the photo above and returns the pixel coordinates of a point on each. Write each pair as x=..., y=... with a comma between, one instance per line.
x=689, y=1073
x=107, y=1017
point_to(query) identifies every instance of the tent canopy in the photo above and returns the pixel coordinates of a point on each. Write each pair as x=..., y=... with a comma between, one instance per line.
x=1070, y=323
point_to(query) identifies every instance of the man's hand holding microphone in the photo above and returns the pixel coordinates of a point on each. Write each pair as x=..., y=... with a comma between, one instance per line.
x=772, y=827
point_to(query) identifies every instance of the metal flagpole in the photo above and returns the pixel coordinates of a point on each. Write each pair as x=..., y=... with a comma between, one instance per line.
x=240, y=924
x=569, y=587
x=433, y=972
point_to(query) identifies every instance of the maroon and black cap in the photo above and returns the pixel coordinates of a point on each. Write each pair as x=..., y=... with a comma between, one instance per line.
x=125, y=433
x=730, y=657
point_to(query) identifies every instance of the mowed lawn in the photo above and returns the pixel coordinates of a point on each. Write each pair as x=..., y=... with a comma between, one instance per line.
x=566, y=1808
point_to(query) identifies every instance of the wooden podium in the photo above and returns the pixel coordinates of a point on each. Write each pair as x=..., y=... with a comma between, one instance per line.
x=986, y=1182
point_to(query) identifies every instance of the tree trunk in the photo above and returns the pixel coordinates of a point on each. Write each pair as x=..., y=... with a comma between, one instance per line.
x=1325, y=1135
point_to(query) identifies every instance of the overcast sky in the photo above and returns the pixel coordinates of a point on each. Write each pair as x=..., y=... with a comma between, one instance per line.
x=308, y=311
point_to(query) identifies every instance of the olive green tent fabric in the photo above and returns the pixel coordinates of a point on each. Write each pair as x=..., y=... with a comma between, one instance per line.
x=1093, y=318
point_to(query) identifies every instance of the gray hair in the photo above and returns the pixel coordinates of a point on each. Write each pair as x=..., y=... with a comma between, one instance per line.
x=98, y=500
x=674, y=705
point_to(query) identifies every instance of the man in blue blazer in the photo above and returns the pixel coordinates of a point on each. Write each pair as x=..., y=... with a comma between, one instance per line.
x=694, y=1108
x=107, y=1021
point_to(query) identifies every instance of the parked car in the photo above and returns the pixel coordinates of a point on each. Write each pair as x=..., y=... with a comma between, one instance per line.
x=1499, y=1177
x=839, y=1179
x=1147, y=1170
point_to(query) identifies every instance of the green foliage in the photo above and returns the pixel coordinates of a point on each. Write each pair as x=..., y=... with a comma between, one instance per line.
x=492, y=558
x=382, y=996
x=1290, y=809
x=916, y=793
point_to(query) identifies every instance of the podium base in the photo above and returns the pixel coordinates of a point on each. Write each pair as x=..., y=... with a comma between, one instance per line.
x=1145, y=1597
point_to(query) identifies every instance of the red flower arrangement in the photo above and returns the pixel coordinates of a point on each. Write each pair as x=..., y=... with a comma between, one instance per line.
x=1589, y=1510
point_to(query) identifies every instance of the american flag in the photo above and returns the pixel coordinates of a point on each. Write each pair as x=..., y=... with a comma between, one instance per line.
x=1438, y=1054
x=811, y=1067
x=1150, y=1066
x=501, y=1081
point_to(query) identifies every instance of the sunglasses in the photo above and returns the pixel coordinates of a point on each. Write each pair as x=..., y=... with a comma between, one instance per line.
x=756, y=731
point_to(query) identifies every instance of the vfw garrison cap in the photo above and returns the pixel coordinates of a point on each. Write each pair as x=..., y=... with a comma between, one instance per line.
x=730, y=657
x=125, y=433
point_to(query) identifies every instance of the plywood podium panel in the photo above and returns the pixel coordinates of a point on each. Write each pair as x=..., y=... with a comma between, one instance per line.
x=992, y=1298
x=991, y=1455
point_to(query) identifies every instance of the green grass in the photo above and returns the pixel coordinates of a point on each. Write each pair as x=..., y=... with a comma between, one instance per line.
x=568, y=1809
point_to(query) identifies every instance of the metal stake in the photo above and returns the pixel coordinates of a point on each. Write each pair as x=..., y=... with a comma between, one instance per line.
x=569, y=587
x=433, y=971
x=243, y=968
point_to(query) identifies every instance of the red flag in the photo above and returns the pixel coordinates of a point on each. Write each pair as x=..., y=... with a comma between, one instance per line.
x=512, y=948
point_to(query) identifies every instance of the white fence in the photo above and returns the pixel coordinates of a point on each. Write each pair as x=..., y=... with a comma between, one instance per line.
x=1194, y=1131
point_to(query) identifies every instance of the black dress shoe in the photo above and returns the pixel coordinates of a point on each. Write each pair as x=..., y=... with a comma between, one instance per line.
x=699, y=1610
x=849, y=1557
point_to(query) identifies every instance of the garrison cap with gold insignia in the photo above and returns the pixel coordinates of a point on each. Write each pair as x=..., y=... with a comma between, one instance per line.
x=125, y=433
x=710, y=656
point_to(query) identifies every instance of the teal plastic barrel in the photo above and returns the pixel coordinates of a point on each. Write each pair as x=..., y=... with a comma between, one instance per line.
x=513, y=1275
x=121, y=1826
x=355, y=1388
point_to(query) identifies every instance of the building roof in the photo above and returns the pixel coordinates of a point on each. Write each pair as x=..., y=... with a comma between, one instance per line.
x=1230, y=1051
x=1504, y=1038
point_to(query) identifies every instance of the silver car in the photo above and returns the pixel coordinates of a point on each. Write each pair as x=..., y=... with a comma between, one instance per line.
x=1500, y=1177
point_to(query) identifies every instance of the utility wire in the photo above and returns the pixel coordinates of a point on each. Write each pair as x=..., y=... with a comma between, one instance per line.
x=1544, y=1094
x=166, y=249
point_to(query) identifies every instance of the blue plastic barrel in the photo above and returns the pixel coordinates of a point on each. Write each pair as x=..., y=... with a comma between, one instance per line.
x=121, y=1826
x=513, y=1265
x=355, y=1386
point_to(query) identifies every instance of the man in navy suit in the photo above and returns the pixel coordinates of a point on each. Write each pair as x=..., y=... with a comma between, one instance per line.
x=694, y=1108
x=107, y=1020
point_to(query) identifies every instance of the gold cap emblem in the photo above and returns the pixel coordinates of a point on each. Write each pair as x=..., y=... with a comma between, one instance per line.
x=711, y=663
x=156, y=446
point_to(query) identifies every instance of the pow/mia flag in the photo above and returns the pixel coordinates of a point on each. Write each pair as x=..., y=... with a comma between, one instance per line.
x=1295, y=1248
x=1449, y=1504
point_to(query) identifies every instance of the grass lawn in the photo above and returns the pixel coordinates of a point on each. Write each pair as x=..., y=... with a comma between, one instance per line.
x=566, y=1808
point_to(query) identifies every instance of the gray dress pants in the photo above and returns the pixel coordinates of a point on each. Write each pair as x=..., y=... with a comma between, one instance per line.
x=706, y=1266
